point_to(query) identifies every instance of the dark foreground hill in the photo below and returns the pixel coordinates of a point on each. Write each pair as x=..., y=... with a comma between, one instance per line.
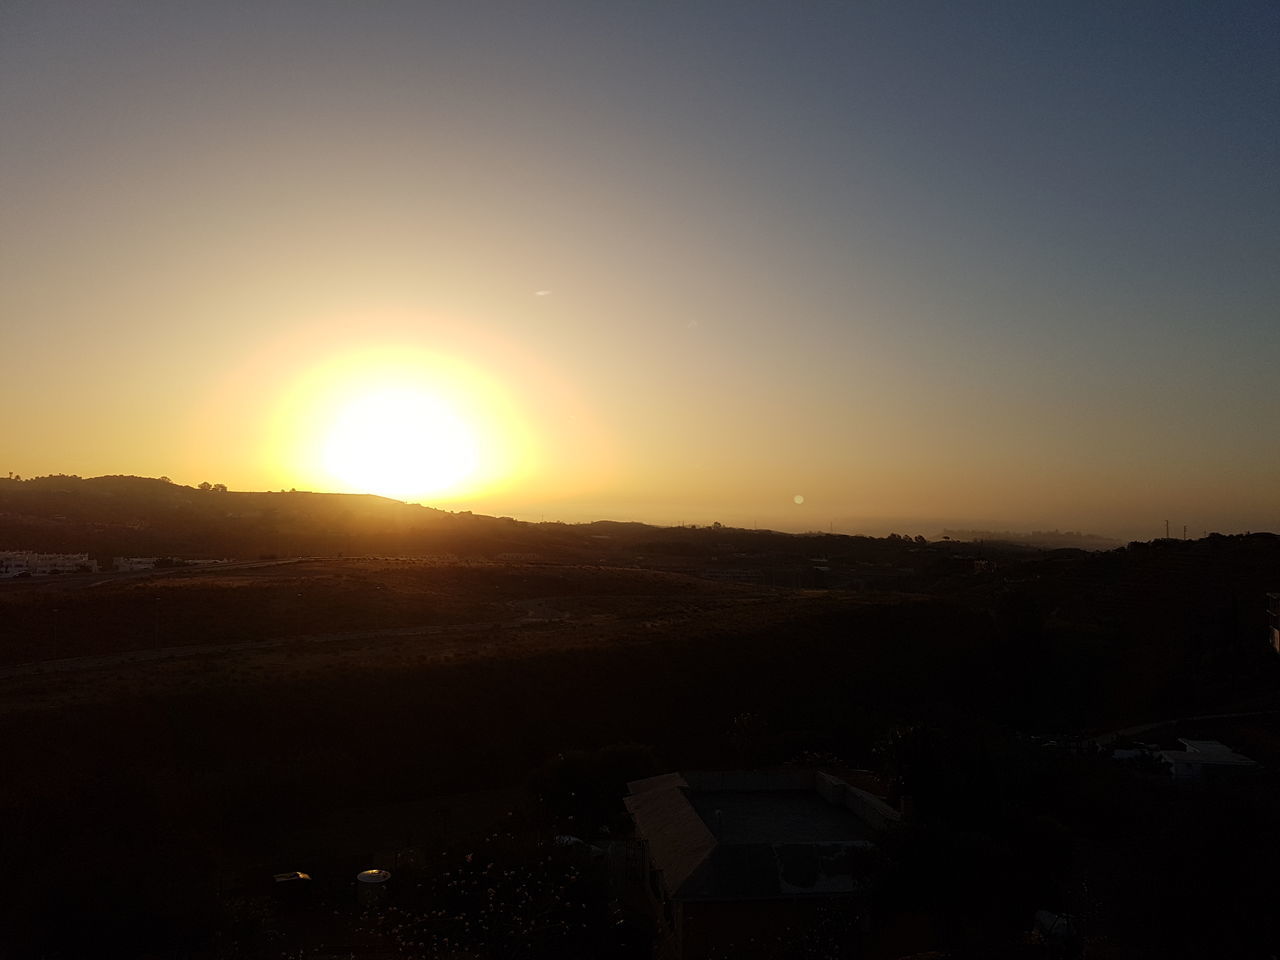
x=360, y=712
x=173, y=737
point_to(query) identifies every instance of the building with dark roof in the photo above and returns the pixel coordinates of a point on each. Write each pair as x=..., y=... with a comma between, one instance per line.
x=742, y=858
x=1207, y=761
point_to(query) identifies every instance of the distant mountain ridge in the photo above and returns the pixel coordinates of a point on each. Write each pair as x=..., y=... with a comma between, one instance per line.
x=129, y=515
x=113, y=516
x=123, y=515
x=1044, y=539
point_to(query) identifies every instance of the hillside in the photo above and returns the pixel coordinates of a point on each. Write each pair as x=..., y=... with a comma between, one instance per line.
x=223, y=721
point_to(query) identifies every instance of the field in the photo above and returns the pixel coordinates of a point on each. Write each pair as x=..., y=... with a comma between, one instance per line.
x=217, y=722
x=220, y=723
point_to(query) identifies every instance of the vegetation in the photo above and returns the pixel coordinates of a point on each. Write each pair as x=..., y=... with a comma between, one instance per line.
x=151, y=798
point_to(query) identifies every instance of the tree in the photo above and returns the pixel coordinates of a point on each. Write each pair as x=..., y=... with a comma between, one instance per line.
x=205, y=485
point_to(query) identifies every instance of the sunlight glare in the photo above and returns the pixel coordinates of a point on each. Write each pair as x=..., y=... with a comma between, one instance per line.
x=400, y=423
x=400, y=442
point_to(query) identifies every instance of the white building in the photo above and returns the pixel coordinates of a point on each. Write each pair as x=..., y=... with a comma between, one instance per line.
x=15, y=562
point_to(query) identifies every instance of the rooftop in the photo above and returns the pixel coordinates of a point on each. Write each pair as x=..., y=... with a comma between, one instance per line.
x=758, y=835
x=776, y=816
x=1207, y=751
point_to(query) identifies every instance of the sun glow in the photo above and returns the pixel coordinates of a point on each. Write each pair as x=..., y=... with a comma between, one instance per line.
x=399, y=423
x=399, y=442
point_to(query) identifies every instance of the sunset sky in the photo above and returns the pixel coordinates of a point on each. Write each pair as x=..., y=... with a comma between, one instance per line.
x=920, y=264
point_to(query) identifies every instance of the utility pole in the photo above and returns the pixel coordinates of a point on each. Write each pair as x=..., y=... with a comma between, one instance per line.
x=1166, y=529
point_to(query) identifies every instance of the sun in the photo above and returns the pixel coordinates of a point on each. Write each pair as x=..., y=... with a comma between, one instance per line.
x=400, y=442
x=400, y=423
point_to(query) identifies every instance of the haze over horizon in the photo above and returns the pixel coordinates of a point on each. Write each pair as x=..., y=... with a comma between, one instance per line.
x=920, y=265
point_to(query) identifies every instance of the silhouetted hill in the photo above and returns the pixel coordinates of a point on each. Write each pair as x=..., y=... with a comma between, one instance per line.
x=1041, y=539
x=142, y=516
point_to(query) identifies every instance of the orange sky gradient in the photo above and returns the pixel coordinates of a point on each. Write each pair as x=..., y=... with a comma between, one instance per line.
x=1012, y=271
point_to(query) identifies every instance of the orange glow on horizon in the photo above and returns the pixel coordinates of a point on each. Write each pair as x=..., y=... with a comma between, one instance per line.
x=399, y=422
x=355, y=401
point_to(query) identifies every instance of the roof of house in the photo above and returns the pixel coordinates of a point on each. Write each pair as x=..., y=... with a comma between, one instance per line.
x=1207, y=751
x=759, y=835
x=679, y=841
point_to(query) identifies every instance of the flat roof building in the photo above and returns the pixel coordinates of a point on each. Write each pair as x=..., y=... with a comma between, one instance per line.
x=1207, y=761
x=736, y=858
